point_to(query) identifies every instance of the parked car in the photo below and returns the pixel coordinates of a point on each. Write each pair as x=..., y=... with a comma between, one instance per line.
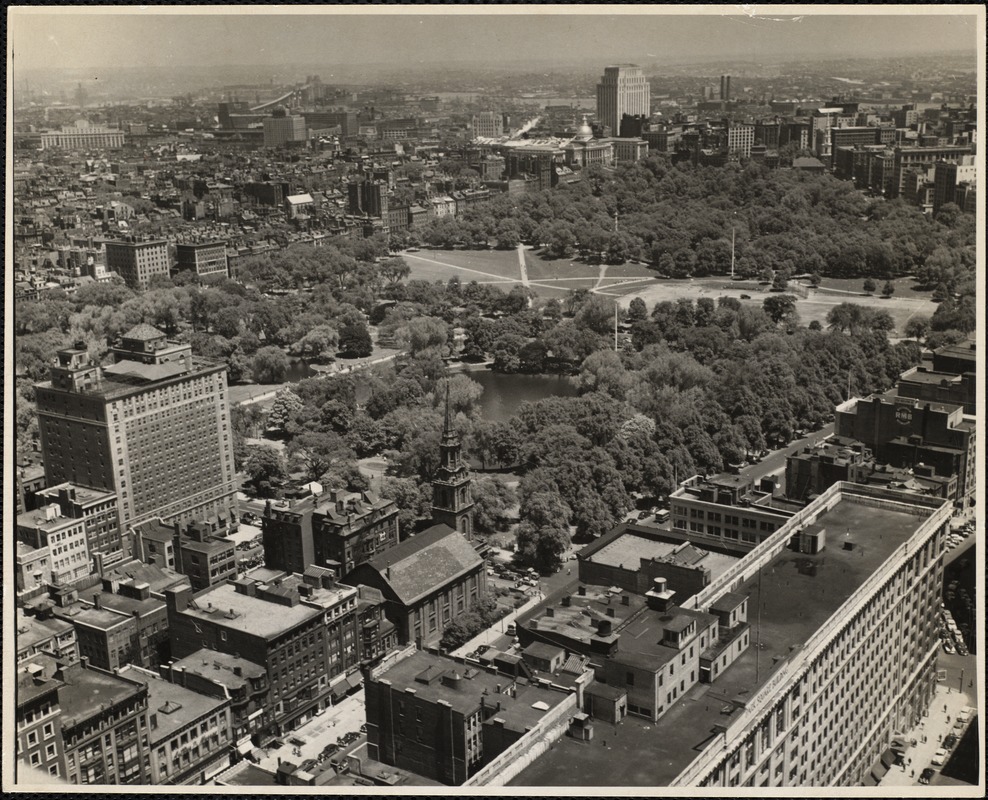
x=949, y=741
x=511, y=629
x=925, y=775
x=939, y=758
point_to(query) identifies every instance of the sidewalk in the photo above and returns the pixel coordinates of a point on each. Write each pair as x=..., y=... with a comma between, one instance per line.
x=346, y=716
x=947, y=703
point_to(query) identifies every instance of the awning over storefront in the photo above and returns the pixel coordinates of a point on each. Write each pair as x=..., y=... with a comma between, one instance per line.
x=245, y=747
x=354, y=681
x=888, y=758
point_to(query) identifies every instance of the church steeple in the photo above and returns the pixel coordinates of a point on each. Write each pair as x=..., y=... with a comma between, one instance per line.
x=451, y=500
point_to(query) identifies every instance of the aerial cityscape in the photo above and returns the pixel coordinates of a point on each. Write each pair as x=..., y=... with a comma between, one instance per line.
x=563, y=399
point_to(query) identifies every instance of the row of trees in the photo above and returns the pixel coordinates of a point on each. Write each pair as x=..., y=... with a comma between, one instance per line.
x=681, y=218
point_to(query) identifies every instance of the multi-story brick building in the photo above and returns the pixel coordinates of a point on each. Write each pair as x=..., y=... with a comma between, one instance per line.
x=301, y=629
x=445, y=720
x=728, y=511
x=63, y=537
x=118, y=628
x=190, y=737
x=339, y=531
x=154, y=428
x=105, y=742
x=224, y=676
x=98, y=509
x=45, y=634
x=904, y=432
x=202, y=258
x=852, y=581
x=39, y=719
x=32, y=570
x=138, y=262
x=351, y=528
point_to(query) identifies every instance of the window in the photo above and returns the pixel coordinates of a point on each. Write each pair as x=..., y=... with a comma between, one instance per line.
x=630, y=679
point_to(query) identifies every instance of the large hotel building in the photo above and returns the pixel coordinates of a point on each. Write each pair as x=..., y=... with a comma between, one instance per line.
x=838, y=656
x=154, y=428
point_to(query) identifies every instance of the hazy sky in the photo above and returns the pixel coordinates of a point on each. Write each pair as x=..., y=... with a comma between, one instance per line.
x=71, y=38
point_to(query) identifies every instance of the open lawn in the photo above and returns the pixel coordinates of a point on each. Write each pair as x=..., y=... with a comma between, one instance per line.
x=483, y=266
x=814, y=306
x=546, y=277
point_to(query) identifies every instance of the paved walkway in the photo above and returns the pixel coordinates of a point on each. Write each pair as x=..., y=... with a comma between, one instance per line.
x=346, y=716
x=942, y=716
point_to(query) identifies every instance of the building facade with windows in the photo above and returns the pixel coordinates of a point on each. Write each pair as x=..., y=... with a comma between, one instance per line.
x=728, y=511
x=851, y=581
x=63, y=537
x=98, y=510
x=202, y=258
x=83, y=136
x=138, y=262
x=154, y=428
x=622, y=90
x=190, y=737
x=302, y=629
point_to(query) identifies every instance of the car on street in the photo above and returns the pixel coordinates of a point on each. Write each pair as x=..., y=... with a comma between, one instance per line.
x=948, y=647
x=949, y=741
x=939, y=757
x=925, y=775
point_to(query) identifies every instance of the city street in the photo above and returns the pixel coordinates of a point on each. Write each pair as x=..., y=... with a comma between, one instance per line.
x=776, y=460
x=955, y=693
x=345, y=717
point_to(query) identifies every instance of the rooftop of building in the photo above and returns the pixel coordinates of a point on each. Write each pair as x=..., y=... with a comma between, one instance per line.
x=928, y=376
x=348, y=509
x=465, y=688
x=170, y=706
x=629, y=549
x=84, y=495
x=964, y=350
x=32, y=631
x=27, y=553
x=219, y=667
x=157, y=578
x=246, y=773
x=425, y=561
x=47, y=518
x=155, y=530
x=789, y=599
x=223, y=605
x=87, y=691
x=839, y=448
x=91, y=617
x=35, y=677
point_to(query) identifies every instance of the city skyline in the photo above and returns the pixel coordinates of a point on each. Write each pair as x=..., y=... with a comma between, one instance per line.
x=82, y=39
x=516, y=396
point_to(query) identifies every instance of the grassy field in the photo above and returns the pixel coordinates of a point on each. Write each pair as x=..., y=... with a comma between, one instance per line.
x=483, y=266
x=815, y=306
x=546, y=277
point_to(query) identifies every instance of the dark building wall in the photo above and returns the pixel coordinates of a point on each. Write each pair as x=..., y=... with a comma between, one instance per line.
x=287, y=541
x=421, y=736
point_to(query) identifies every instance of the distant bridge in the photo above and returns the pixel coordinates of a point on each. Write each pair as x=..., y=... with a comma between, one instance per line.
x=293, y=94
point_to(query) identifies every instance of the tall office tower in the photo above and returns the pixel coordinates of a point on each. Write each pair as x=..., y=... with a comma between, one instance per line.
x=725, y=87
x=138, y=262
x=622, y=90
x=154, y=427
